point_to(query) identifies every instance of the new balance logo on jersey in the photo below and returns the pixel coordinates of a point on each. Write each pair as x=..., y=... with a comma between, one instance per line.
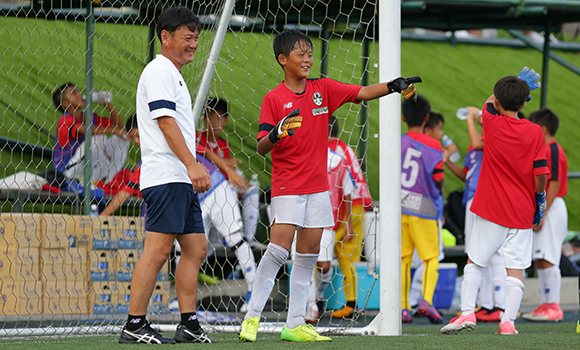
x=287, y=105
x=180, y=83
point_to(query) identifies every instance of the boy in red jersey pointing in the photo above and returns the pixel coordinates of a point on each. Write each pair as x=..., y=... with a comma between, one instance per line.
x=300, y=107
x=508, y=201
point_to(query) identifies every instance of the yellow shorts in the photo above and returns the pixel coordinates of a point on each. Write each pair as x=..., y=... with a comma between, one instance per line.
x=419, y=233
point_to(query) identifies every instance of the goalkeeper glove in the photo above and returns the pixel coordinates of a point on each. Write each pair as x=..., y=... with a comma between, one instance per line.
x=286, y=126
x=532, y=78
x=405, y=86
x=540, y=208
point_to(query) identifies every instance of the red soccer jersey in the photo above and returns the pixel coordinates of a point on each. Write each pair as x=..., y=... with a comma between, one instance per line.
x=221, y=148
x=299, y=161
x=558, y=165
x=438, y=171
x=68, y=126
x=514, y=155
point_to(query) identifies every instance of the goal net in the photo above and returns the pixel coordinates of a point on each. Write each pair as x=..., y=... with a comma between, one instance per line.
x=63, y=273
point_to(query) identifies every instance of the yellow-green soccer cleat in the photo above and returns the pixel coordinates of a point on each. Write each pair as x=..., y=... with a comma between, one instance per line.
x=578, y=327
x=303, y=333
x=249, y=329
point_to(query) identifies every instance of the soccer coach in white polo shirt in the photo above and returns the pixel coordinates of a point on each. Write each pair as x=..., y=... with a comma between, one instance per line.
x=170, y=180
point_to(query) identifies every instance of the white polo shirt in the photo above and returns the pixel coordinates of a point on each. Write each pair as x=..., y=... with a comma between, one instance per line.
x=162, y=92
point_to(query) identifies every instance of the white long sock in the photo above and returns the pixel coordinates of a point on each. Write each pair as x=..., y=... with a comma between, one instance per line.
x=514, y=291
x=247, y=262
x=542, y=285
x=485, y=295
x=499, y=275
x=472, y=275
x=269, y=265
x=552, y=284
x=300, y=278
x=325, y=280
x=312, y=290
x=251, y=204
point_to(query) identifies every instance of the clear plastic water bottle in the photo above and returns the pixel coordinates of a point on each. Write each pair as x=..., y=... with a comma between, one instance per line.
x=462, y=113
x=102, y=96
x=455, y=156
x=254, y=181
x=94, y=210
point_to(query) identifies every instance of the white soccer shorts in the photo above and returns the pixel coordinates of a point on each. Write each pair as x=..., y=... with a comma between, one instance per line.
x=305, y=211
x=488, y=237
x=548, y=241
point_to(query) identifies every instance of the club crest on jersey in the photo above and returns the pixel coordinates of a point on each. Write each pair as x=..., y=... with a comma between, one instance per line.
x=317, y=98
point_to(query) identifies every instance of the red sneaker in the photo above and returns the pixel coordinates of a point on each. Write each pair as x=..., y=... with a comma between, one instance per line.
x=506, y=328
x=460, y=323
x=494, y=315
x=546, y=312
x=478, y=313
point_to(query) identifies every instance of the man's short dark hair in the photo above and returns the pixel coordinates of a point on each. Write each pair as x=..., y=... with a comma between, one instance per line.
x=511, y=92
x=57, y=95
x=173, y=18
x=546, y=117
x=416, y=112
x=434, y=120
x=284, y=42
x=218, y=105
x=131, y=122
x=333, y=126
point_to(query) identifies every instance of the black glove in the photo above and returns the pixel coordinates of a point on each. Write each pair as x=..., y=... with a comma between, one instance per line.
x=405, y=86
x=286, y=126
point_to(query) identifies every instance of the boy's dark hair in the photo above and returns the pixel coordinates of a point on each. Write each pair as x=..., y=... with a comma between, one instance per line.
x=434, y=120
x=546, y=117
x=284, y=42
x=333, y=126
x=57, y=95
x=416, y=112
x=173, y=18
x=218, y=105
x=131, y=122
x=511, y=92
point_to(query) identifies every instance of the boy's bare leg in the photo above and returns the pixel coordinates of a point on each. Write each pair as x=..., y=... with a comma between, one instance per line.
x=193, y=251
x=282, y=235
x=155, y=252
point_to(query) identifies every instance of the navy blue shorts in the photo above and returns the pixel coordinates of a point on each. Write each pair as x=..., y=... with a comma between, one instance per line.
x=173, y=208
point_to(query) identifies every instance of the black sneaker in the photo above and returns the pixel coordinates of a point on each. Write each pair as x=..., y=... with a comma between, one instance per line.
x=143, y=335
x=186, y=335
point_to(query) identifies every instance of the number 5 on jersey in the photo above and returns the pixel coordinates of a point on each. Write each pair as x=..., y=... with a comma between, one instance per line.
x=410, y=169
